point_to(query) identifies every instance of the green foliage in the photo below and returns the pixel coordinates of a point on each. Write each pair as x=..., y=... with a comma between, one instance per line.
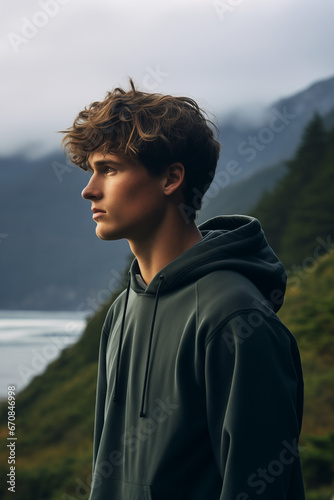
x=298, y=220
x=300, y=208
x=308, y=312
x=318, y=460
x=54, y=421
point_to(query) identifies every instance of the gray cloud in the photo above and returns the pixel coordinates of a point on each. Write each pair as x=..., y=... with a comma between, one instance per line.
x=257, y=53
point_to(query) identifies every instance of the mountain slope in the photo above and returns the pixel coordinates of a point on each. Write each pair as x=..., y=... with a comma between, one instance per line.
x=274, y=137
x=51, y=257
x=54, y=424
x=240, y=197
x=309, y=314
x=297, y=215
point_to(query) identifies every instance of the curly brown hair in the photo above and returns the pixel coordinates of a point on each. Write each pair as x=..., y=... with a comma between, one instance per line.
x=154, y=129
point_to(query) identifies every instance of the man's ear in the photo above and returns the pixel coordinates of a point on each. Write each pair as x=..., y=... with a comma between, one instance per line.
x=174, y=178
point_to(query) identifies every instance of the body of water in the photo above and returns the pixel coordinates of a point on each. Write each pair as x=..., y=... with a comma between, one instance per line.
x=30, y=340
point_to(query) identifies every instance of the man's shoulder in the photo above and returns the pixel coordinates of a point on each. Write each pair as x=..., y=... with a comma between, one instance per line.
x=227, y=292
x=227, y=283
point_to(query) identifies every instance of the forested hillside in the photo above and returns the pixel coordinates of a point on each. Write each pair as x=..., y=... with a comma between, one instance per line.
x=55, y=412
x=298, y=215
x=309, y=314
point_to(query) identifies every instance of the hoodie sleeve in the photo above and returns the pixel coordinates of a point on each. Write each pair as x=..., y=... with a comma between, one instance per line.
x=254, y=396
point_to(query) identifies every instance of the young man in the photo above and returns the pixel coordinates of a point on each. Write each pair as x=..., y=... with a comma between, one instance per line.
x=200, y=392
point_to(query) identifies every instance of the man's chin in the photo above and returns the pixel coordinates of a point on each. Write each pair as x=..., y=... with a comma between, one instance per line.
x=107, y=235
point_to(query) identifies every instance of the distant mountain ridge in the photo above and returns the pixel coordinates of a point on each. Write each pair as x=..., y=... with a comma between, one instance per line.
x=275, y=137
x=51, y=258
x=266, y=144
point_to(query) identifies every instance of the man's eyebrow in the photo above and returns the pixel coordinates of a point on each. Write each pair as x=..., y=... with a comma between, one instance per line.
x=103, y=163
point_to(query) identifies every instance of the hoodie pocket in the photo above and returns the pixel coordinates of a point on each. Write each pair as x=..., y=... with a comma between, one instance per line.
x=103, y=489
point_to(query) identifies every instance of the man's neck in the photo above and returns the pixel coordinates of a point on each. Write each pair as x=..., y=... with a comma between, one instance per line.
x=170, y=240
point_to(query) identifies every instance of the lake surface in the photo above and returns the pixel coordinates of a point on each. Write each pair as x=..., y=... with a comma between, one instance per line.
x=30, y=340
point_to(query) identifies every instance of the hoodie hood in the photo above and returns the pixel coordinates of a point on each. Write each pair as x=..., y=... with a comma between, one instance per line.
x=230, y=242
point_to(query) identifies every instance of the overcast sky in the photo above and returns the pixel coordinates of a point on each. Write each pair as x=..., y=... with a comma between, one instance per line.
x=59, y=55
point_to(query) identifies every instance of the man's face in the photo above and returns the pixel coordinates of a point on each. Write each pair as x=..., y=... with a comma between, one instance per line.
x=127, y=202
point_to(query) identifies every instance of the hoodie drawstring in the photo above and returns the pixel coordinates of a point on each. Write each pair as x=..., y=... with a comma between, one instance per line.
x=142, y=414
x=115, y=398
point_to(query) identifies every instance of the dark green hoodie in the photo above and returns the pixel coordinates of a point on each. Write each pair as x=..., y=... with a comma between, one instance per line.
x=200, y=389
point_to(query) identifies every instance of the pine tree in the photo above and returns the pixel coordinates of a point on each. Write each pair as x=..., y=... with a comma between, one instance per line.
x=300, y=208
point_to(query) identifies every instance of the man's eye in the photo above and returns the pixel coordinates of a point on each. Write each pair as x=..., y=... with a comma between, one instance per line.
x=110, y=170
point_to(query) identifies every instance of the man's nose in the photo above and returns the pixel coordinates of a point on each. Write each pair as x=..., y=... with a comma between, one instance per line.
x=92, y=190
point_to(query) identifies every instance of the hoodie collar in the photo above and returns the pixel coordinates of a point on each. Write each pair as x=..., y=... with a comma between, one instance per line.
x=232, y=242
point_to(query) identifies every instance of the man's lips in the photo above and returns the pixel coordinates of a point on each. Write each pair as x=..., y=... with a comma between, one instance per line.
x=97, y=212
